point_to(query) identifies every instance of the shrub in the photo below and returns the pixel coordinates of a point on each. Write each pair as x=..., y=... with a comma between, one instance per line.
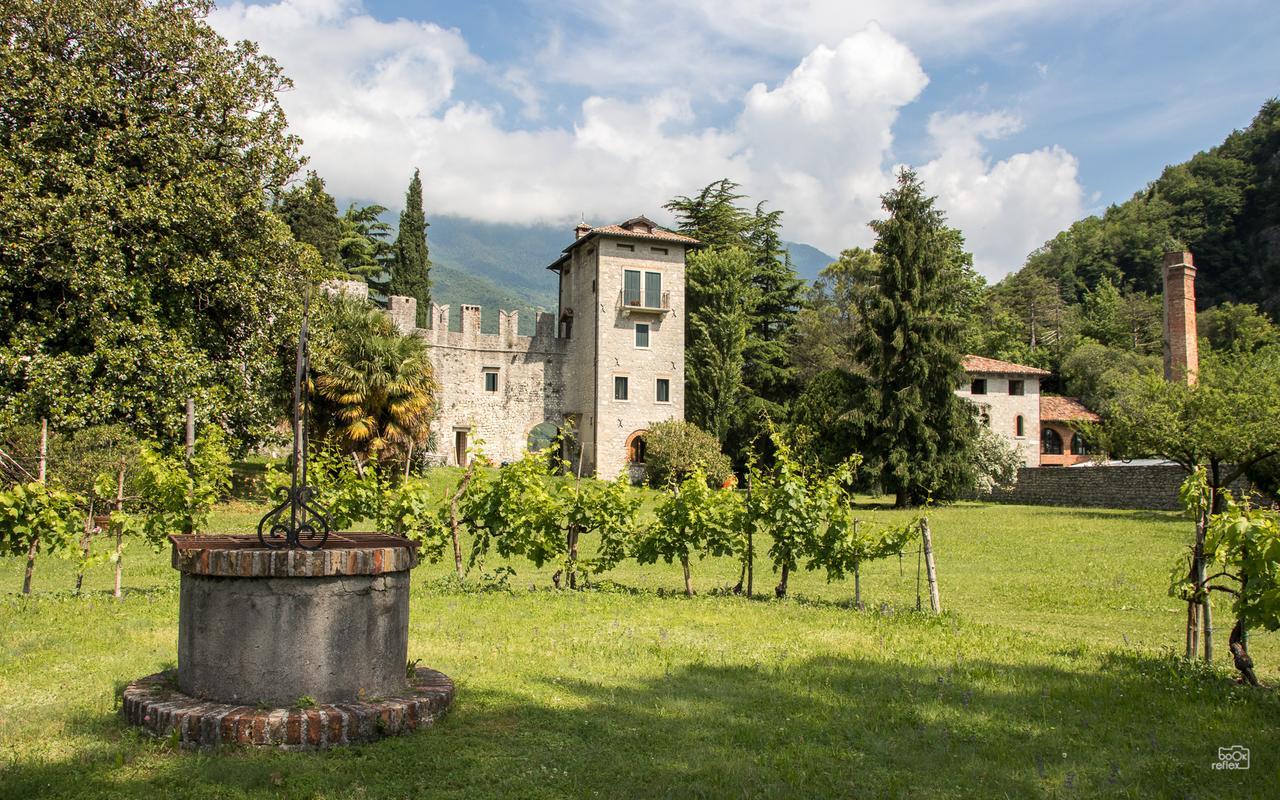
x=676, y=449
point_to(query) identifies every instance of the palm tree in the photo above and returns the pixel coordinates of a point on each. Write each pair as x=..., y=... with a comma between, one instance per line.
x=376, y=386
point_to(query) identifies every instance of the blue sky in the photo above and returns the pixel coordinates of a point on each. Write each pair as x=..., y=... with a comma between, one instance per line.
x=1022, y=115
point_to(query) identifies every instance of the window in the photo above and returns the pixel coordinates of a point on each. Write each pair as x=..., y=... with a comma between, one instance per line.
x=664, y=390
x=662, y=251
x=490, y=379
x=631, y=287
x=630, y=247
x=620, y=387
x=979, y=386
x=1019, y=427
x=1079, y=447
x=1050, y=442
x=653, y=290
x=1017, y=388
x=642, y=335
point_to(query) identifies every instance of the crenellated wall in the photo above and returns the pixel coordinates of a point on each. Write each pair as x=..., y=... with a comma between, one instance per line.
x=528, y=387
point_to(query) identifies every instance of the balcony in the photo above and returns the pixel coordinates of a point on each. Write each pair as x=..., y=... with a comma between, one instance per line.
x=644, y=306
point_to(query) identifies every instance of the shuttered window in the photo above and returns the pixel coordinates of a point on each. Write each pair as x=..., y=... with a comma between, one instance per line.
x=653, y=290
x=631, y=287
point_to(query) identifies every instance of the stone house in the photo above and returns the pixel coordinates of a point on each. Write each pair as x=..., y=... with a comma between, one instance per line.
x=606, y=365
x=1007, y=399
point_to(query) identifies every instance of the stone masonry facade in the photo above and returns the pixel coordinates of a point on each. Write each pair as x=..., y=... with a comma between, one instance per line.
x=604, y=368
x=1007, y=399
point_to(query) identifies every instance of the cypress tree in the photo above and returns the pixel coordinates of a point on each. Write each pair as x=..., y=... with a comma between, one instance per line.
x=411, y=268
x=911, y=344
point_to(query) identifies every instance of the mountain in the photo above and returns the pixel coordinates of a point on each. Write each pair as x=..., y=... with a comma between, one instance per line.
x=502, y=266
x=807, y=260
x=495, y=266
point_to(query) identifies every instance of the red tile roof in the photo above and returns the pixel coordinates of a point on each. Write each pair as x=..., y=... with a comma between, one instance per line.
x=635, y=228
x=1065, y=409
x=979, y=364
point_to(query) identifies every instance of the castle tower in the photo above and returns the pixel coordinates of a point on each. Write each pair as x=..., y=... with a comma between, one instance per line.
x=1181, y=347
x=621, y=310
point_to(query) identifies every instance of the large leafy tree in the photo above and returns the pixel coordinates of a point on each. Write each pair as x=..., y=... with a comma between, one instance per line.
x=1226, y=423
x=140, y=264
x=910, y=345
x=411, y=268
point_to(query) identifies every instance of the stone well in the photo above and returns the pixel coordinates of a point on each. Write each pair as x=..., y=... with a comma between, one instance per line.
x=290, y=647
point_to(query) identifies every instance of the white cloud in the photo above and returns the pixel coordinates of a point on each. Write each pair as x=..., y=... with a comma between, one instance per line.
x=375, y=99
x=1005, y=209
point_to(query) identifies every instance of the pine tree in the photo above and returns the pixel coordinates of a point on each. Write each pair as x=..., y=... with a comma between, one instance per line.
x=911, y=346
x=411, y=268
x=312, y=215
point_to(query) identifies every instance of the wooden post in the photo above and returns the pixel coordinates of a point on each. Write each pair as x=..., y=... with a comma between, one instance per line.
x=40, y=474
x=84, y=546
x=119, y=528
x=191, y=428
x=927, y=541
x=751, y=552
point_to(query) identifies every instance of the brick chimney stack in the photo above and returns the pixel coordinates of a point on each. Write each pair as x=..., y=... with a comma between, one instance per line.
x=581, y=229
x=1181, y=347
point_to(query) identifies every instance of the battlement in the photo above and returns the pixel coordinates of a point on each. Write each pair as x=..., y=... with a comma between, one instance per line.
x=404, y=310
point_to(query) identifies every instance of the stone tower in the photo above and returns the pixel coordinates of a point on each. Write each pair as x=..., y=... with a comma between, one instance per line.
x=1181, y=348
x=621, y=314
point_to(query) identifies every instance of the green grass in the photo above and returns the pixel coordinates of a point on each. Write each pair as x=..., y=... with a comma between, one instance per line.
x=1049, y=676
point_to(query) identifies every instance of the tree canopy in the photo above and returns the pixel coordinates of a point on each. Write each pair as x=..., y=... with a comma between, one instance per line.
x=140, y=264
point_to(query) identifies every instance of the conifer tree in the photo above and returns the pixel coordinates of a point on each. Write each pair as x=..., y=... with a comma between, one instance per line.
x=911, y=346
x=311, y=213
x=411, y=269
x=719, y=287
x=715, y=218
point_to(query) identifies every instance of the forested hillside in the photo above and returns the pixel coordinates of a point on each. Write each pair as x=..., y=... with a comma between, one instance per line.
x=1087, y=304
x=1222, y=204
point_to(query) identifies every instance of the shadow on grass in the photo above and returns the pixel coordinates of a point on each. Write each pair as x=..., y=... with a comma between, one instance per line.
x=823, y=727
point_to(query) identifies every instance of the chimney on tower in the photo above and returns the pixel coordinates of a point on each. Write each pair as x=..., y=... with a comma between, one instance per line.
x=581, y=229
x=1181, y=348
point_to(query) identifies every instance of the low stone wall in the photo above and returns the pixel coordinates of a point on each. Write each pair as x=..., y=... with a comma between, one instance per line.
x=1139, y=487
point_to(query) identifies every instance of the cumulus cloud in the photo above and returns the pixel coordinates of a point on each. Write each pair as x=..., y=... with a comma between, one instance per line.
x=1007, y=208
x=374, y=99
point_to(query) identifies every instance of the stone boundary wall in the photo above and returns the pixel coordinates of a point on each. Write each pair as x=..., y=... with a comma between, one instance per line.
x=1148, y=487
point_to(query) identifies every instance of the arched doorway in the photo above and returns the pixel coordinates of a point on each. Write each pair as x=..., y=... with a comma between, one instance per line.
x=637, y=447
x=542, y=436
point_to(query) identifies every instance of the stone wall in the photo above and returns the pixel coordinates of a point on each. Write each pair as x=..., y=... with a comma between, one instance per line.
x=1152, y=487
x=530, y=380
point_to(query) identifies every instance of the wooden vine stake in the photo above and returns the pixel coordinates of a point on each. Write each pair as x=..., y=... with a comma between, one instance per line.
x=926, y=541
x=40, y=475
x=119, y=526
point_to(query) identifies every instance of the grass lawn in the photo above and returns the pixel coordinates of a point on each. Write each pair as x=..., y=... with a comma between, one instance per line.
x=1049, y=676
